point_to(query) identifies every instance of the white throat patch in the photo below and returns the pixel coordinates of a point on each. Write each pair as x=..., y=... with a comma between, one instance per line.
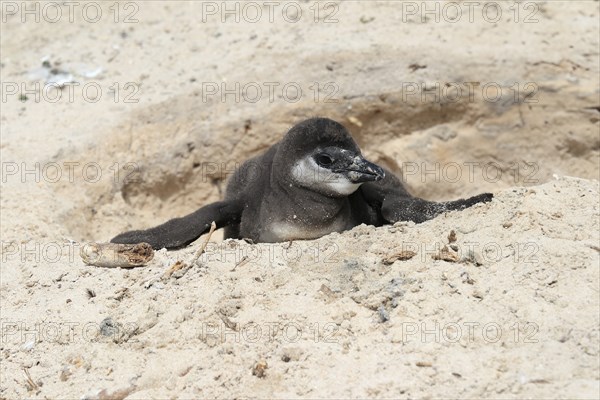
x=308, y=173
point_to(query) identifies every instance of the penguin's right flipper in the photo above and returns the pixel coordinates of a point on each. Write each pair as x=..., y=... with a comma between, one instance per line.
x=180, y=232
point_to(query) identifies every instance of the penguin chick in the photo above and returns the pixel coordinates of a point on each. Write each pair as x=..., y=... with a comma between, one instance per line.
x=313, y=182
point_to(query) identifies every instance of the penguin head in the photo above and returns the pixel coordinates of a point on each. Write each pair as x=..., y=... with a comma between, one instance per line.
x=321, y=156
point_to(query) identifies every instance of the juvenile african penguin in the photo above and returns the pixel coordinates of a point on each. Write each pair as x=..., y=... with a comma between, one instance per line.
x=313, y=182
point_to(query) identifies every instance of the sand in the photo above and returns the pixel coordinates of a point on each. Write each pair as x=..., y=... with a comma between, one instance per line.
x=509, y=309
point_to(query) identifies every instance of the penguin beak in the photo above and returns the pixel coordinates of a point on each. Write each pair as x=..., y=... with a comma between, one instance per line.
x=361, y=170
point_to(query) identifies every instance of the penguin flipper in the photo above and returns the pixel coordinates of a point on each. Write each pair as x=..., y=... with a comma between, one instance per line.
x=414, y=209
x=180, y=232
x=395, y=203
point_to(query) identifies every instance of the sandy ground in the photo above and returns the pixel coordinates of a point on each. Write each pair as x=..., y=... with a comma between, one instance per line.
x=153, y=125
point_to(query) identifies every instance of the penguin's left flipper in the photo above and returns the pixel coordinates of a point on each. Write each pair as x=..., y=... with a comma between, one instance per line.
x=180, y=232
x=414, y=209
x=396, y=204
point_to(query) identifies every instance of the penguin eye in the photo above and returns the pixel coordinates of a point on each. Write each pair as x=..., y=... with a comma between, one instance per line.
x=324, y=160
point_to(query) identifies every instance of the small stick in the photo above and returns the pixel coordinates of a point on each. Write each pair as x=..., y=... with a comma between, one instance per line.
x=181, y=264
x=32, y=385
x=243, y=261
x=213, y=226
x=228, y=323
x=175, y=267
